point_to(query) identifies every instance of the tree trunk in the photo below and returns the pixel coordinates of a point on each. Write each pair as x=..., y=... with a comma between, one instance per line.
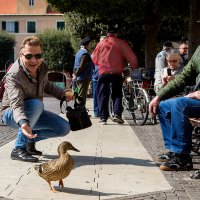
x=151, y=20
x=150, y=45
x=194, y=26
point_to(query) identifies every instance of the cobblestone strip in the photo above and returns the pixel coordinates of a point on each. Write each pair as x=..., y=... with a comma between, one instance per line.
x=7, y=134
x=184, y=188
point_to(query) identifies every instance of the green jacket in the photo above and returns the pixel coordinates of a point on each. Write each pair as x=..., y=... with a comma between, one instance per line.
x=189, y=76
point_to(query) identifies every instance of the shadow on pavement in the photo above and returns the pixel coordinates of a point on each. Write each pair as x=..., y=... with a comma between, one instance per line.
x=78, y=191
x=90, y=160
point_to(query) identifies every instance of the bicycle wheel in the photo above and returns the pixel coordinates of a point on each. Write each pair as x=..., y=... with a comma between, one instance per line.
x=126, y=94
x=196, y=140
x=138, y=105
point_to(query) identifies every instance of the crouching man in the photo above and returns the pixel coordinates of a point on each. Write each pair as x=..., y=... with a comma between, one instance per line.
x=22, y=106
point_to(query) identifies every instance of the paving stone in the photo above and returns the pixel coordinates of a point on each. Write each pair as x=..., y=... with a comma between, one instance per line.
x=150, y=136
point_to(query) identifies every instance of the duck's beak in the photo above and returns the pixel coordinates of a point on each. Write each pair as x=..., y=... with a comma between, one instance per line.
x=75, y=149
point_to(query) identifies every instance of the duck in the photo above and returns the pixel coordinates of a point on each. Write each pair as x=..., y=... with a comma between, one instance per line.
x=57, y=169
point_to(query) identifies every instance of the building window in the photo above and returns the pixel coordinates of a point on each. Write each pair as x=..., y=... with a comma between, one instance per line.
x=60, y=25
x=11, y=27
x=31, y=27
x=31, y=2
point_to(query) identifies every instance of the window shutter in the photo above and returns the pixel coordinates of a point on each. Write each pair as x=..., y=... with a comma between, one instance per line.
x=3, y=26
x=60, y=25
x=16, y=27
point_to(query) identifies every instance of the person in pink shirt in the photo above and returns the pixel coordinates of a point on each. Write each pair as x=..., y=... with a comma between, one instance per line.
x=111, y=55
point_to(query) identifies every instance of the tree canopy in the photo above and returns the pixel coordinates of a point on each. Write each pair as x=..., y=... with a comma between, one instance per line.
x=57, y=50
x=144, y=23
x=7, y=43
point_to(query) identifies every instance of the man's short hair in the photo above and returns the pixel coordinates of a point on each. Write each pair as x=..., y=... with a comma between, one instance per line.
x=168, y=44
x=85, y=41
x=31, y=41
x=113, y=28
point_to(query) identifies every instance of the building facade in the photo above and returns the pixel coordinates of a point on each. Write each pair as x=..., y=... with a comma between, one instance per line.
x=24, y=18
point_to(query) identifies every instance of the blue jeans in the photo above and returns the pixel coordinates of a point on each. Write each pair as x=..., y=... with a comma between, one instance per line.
x=96, y=107
x=174, y=117
x=43, y=123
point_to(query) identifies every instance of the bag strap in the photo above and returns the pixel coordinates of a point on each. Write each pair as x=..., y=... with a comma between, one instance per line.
x=78, y=102
x=61, y=103
x=74, y=86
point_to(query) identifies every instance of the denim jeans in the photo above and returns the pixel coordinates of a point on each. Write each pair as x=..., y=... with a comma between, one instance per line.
x=43, y=123
x=96, y=107
x=174, y=117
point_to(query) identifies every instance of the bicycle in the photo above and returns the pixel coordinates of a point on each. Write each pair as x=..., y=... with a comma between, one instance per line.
x=135, y=99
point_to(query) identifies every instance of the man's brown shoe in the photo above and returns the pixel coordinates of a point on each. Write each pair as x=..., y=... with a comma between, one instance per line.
x=178, y=163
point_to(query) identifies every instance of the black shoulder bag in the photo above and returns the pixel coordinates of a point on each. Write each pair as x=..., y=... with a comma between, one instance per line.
x=78, y=116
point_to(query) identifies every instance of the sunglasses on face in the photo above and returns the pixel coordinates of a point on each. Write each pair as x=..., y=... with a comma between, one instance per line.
x=29, y=56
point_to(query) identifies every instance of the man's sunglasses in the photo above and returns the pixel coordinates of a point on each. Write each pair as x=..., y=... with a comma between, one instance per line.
x=29, y=56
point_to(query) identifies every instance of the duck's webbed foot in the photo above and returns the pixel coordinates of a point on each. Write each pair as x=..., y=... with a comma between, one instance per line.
x=51, y=187
x=61, y=184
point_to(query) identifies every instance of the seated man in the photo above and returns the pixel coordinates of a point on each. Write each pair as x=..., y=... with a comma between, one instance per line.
x=168, y=73
x=174, y=116
x=160, y=61
x=183, y=51
x=22, y=107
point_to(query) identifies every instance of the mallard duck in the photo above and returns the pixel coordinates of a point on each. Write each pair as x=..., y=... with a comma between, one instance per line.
x=58, y=169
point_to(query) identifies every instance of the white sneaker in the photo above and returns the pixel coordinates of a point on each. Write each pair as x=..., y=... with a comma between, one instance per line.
x=103, y=121
x=118, y=119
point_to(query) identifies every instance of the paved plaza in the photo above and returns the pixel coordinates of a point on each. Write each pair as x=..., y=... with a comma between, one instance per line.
x=115, y=162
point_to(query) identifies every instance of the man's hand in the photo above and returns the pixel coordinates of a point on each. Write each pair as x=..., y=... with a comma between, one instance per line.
x=73, y=76
x=69, y=94
x=194, y=95
x=166, y=79
x=153, y=105
x=169, y=78
x=26, y=129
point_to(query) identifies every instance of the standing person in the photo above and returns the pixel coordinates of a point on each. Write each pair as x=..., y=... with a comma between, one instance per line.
x=94, y=87
x=110, y=55
x=174, y=116
x=83, y=68
x=94, y=92
x=183, y=50
x=22, y=106
x=161, y=61
x=168, y=73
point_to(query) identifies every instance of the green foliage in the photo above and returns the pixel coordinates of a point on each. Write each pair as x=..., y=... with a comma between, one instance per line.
x=131, y=15
x=57, y=50
x=167, y=20
x=80, y=26
x=7, y=43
